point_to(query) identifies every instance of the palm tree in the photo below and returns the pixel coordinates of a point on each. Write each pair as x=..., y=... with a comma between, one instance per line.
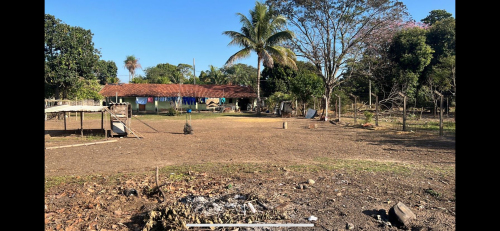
x=131, y=63
x=262, y=34
x=216, y=76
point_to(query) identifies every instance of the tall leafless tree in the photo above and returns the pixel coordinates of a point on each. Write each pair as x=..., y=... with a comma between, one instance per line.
x=331, y=33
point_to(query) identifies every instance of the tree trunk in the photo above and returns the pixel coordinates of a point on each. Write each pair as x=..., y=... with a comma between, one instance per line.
x=327, y=100
x=56, y=92
x=326, y=97
x=258, y=85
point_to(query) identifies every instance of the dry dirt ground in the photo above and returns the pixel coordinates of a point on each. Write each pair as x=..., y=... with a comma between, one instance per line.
x=229, y=161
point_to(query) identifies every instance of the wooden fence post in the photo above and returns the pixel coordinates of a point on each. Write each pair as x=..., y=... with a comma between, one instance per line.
x=339, y=105
x=404, y=110
x=376, y=109
x=355, y=108
x=440, y=113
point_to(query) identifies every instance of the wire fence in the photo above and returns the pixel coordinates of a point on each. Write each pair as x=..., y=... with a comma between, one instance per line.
x=418, y=122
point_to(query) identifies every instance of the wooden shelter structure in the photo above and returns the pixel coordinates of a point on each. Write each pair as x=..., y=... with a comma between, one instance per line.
x=79, y=109
x=120, y=116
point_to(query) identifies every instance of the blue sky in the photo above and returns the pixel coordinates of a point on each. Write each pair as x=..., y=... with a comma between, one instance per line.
x=174, y=31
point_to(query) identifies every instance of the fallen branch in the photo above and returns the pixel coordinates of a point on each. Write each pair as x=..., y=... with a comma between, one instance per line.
x=159, y=186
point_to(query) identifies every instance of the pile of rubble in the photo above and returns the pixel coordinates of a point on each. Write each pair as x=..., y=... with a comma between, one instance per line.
x=229, y=208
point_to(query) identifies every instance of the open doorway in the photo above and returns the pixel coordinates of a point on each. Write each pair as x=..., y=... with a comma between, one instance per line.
x=243, y=103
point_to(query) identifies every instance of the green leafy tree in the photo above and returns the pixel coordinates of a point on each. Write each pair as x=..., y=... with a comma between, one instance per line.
x=440, y=73
x=306, y=84
x=263, y=34
x=186, y=71
x=436, y=15
x=86, y=89
x=277, y=79
x=411, y=55
x=203, y=77
x=161, y=73
x=141, y=79
x=131, y=63
x=215, y=76
x=106, y=72
x=241, y=74
x=70, y=57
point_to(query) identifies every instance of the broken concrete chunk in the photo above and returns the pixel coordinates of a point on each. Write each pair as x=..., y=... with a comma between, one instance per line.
x=402, y=213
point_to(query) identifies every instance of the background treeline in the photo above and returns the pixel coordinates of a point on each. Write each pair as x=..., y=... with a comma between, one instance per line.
x=415, y=58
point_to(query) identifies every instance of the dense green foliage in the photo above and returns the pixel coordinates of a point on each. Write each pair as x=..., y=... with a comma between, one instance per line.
x=71, y=61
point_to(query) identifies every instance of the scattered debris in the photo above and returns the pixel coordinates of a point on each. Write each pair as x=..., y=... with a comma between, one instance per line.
x=310, y=181
x=368, y=126
x=130, y=192
x=312, y=218
x=384, y=222
x=311, y=113
x=188, y=129
x=251, y=207
x=313, y=126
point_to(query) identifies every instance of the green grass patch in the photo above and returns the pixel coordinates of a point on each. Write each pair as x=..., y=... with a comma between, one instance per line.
x=194, y=116
x=432, y=126
x=214, y=168
x=328, y=164
x=59, y=180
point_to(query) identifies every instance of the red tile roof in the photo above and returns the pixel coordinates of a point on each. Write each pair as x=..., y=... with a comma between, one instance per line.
x=169, y=90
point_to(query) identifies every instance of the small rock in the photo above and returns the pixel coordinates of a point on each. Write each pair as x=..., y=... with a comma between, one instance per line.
x=311, y=181
x=349, y=225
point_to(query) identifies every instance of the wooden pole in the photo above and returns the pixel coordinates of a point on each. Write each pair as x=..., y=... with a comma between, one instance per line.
x=81, y=123
x=440, y=113
x=102, y=120
x=404, y=110
x=355, y=108
x=376, y=109
x=370, y=93
x=447, y=106
x=64, y=115
x=339, y=105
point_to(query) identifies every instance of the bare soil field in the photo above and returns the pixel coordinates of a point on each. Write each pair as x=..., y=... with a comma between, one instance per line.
x=346, y=176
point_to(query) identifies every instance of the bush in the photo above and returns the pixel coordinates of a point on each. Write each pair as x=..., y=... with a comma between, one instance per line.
x=368, y=116
x=172, y=112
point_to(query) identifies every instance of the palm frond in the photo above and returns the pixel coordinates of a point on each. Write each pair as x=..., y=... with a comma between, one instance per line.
x=267, y=58
x=243, y=53
x=282, y=55
x=279, y=37
x=244, y=21
x=238, y=39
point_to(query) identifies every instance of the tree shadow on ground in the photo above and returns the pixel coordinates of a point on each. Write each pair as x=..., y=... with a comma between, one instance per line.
x=409, y=140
